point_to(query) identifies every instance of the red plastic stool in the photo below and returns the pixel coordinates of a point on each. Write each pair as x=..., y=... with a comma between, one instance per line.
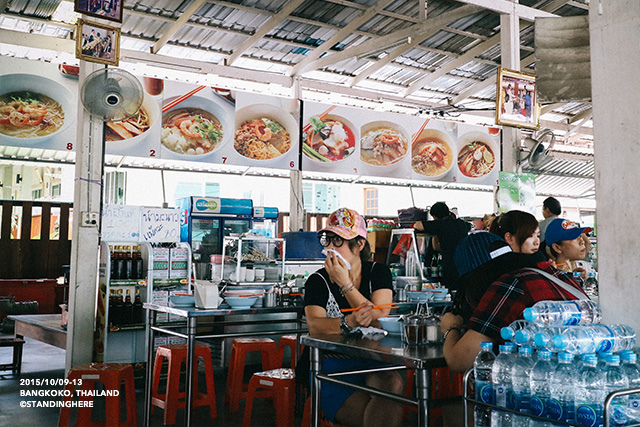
x=280, y=384
x=171, y=401
x=236, y=389
x=111, y=376
x=291, y=342
x=443, y=384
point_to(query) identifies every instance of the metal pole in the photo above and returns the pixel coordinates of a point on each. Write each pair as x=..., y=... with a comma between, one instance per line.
x=191, y=347
x=315, y=386
x=422, y=393
x=151, y=320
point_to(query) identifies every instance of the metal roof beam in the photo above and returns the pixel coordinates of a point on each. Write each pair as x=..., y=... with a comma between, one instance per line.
x=412, y=31
x=289, y=7
x=507, y=7
x=339, y=36
x=472, y=53
x=184, y=18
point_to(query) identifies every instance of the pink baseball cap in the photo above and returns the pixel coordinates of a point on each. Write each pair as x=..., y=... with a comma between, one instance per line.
x=347, y=224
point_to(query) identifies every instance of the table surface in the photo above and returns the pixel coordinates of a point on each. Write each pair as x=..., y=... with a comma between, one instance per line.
x=389, y=349
x=41, y=327
x=192, y=311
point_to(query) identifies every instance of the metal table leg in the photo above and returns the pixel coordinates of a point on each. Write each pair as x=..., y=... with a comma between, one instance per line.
x=151, y=321
x=191, y=346
x=315, y=386
x=423, y=381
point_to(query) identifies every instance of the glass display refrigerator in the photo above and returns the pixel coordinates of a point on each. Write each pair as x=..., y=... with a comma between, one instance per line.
x=205, y=221
x=265, y=221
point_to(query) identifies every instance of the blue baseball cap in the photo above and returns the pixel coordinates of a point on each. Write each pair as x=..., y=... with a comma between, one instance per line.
x=563, y=229
x=478, y=249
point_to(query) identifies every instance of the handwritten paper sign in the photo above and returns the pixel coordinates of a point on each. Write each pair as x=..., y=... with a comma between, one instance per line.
x=121, y=223
x=159, y=225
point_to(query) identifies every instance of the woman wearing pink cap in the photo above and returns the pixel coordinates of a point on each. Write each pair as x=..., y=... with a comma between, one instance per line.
x=349, y=280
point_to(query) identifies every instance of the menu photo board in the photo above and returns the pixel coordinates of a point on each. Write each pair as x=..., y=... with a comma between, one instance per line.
x=206, y=124
x=361, y=142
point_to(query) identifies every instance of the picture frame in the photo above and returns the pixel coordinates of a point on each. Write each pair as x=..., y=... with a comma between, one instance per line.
x=516, y=99
x=97, y=43
x=105, y=9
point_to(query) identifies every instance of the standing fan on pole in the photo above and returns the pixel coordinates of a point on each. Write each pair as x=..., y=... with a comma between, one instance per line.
x=111, y=94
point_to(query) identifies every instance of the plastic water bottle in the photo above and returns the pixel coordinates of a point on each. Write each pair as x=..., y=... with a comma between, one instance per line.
x=616, y=380
x=577, y=276
x=562, y=383
x=595, y=338
x=508, y=333
x=482, y=367
x=591, y=285
x=520, y=378
x=501, y=375
x=559, y=313
x=525, y=335
x=589, y=393
x=630, y=369
x=544, y=338
x=540, y=380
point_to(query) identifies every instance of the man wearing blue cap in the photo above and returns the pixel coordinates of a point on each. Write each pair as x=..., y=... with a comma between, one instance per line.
x=567, y=243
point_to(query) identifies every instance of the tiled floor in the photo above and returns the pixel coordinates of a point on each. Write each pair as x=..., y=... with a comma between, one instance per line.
x=42, y=362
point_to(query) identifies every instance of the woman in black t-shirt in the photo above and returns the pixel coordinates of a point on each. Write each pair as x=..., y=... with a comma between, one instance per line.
x=350, y=280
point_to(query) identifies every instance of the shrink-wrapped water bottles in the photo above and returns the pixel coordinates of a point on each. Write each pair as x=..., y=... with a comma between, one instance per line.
x=616, y=380
x=589, y=393
x=595, y=338
x=482, y=367
x=559, y=313
x=630, y=369
x=520, y=379
x=501, y=375
x=562, y=383
x=540, y=380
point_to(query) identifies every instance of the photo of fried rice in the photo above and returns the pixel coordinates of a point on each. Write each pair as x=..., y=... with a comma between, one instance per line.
x=262, y=139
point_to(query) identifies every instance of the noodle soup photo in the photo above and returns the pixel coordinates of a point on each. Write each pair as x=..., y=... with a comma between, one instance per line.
x=27, y=114
x=476, y=157
x=195, y=127
x=383, y=143
x=431, y=154
x=135, y=128
x=33, y=108
x=330, y=139
x=264, y=132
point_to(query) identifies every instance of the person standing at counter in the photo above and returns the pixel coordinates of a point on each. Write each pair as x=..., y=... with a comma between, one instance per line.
x=350, y=280
x=503, y=301
x=551, y=210
x=450, y=231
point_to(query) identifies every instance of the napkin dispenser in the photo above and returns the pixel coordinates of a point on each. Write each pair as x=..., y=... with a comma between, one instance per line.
x=206, y=294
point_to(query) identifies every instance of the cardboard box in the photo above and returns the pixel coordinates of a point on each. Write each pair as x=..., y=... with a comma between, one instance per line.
x=178, y=263
x=379, y=239
x=158, y=341
x=161, y=298
x=160, y=263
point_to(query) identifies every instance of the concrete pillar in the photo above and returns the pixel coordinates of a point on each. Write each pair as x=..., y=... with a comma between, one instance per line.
x=85, y=235
x=614, y=27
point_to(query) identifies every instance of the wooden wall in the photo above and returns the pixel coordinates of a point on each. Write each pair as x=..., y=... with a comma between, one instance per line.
x=40, y=251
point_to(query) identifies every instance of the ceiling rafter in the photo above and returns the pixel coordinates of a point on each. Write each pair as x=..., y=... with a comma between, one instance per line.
x=276, y=19
x=184, y=18
x=339, y=36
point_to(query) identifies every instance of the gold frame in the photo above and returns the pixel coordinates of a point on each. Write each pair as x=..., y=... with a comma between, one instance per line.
x=82, y=25
x=506, y=78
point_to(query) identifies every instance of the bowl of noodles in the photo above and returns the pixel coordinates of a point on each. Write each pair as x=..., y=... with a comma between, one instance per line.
x=432, y=154
x=330, y=139
x=477, y=154
x=383, y=143
x=264, y=132
x=196, y=126
x=33, y=108
x=127, y=132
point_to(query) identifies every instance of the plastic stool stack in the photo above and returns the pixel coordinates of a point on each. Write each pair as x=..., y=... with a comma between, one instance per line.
x=173, y=398
x=281, y=386
x=236, y=389
x=111, y=375
x=290, y=342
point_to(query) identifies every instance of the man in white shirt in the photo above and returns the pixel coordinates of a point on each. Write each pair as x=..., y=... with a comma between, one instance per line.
x=550, y=210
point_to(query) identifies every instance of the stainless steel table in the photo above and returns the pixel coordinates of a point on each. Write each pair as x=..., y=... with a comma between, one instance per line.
x=189, y=330
x=389, y=351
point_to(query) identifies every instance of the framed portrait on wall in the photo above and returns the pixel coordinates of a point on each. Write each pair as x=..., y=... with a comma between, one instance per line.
x=516, y=100
x=97, y=43
x=106, y=9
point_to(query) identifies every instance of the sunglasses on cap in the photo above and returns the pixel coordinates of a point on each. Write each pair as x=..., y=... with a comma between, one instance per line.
x=326, y=240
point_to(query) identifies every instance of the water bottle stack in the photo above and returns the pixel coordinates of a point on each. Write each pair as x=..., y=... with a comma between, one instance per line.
x=592, y=360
